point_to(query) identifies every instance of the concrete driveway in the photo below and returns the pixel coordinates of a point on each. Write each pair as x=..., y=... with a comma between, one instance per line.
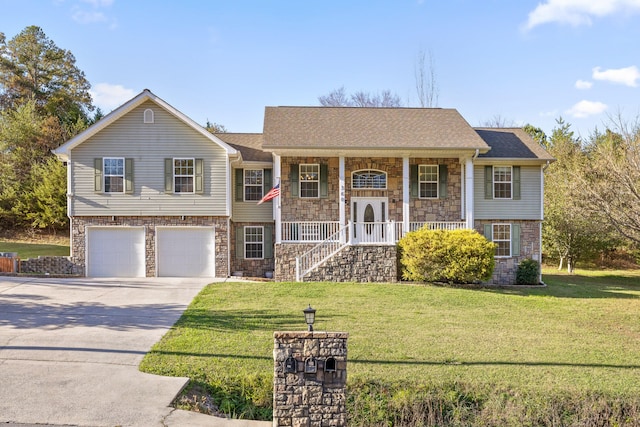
x=70, y=349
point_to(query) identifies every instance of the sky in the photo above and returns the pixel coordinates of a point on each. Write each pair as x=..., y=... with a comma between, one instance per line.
x=223, y=61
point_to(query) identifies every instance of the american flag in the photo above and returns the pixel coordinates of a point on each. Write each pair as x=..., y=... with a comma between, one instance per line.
x=273, y=193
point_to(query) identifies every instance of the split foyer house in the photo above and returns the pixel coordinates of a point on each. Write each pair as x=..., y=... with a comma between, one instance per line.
x=152, y=193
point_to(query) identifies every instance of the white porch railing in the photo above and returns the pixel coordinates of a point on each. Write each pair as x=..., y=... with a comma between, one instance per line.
x=308, y=231
x=322, y=252
x=362, y=233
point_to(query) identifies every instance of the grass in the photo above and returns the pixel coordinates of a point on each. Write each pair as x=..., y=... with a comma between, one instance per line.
x=33, y=250
x=580, y=336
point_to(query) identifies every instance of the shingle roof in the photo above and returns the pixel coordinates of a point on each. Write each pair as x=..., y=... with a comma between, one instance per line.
x=368, y=128
x=511, y=143
x=249, y=144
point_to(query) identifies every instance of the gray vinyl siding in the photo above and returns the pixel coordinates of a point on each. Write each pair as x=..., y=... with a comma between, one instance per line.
x=249, y=211
x=528, y=207
x=148, y=145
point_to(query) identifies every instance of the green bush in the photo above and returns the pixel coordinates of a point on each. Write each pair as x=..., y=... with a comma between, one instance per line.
x=528, y=272
x=458, y=256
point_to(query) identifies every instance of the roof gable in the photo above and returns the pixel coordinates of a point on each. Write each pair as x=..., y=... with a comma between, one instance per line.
x=512, y=143
x=368, y=128
x=146, y=95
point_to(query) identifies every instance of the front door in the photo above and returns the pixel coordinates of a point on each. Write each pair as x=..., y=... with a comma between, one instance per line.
x=369, y=216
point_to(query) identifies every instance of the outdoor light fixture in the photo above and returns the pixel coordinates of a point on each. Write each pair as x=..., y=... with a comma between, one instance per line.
x=309, y=316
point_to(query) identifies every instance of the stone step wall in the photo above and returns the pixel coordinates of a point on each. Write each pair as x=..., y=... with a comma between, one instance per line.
x=361, y=263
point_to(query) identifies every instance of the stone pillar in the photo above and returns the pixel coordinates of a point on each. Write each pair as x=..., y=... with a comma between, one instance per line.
x=310, y=375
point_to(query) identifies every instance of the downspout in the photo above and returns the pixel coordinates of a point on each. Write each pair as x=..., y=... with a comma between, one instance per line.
x=544, y=168
x=469, y=208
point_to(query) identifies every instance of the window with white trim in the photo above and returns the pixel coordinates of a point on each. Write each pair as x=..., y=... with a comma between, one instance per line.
x=428, y=181
x=502, y=182
x=183, y=175
x=253, y=242
x=369, y=180
x=310, y=180
x=113, y=172
x=501, y=236
x=253, y=184
x=148, y=116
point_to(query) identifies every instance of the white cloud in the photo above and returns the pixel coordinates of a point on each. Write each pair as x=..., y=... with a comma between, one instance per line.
x=583, y=85
x=577, y=12
x=108, y=96
x=586, y=108
x=91, y=11
x=627, y=76
x=99, y=3
x=84, y=17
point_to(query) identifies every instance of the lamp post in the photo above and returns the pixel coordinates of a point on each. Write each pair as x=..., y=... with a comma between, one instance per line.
x=309, y=316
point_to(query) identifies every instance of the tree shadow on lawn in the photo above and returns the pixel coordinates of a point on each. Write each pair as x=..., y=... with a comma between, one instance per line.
x=577, y=286
x=239, y=320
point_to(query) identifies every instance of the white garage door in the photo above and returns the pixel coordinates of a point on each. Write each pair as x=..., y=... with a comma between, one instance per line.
x=115, y=252
x=185, y=251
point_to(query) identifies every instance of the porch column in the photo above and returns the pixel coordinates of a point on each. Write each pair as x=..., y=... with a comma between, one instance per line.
x=342, y=191
x=406, y=194
x=468, y=169
x=276, y=205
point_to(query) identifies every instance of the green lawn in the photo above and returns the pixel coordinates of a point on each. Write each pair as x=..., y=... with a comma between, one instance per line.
x=33, y=250
x=580, y=335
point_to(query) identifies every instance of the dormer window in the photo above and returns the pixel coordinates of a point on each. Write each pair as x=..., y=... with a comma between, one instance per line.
x=148, y=115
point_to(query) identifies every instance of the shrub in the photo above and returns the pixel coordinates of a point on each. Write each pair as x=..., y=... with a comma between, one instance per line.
x=458, y=256
x=528, y=272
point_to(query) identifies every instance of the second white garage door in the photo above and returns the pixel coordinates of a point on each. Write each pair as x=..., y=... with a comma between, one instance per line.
x=185, y=251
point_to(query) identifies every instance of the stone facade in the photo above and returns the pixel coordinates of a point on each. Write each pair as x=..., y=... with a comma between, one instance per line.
x=320, y=209
x=504, y=272
x=285, y=254
x=310, y=375
x=79, y=224
x=447, y=208
x=364, y=263
x=359, y=263
x=250, y=267
x=50, y=265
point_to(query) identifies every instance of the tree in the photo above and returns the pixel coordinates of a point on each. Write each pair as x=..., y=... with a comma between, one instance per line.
x=570, y=233
x=537, y=134
x=426, y=84
x=215, y=127
x=33, y=68
x=45, y=198
x=611, y=179
x=26, y=140
x=338, y=98
x=498, y=121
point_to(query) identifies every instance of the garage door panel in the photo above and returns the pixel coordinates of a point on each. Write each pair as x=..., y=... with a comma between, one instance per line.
x=116, y=252
x=185, y=252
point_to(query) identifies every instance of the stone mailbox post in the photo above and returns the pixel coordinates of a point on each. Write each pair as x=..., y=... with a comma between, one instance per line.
x=310, y=374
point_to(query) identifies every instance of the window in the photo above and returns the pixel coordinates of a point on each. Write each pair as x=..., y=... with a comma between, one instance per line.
x=502, y=238
x=113, y=175
x=428, y=181
x=253, y=184
x=309, y=180
x=183, y=174
x=502, y=182
x=369, y=179
x=254, y=242
x=148, y=116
